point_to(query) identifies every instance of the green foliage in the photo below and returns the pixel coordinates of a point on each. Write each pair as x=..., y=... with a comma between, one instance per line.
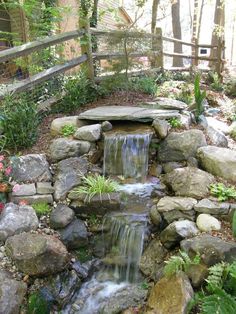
x=78, y=91
x=220, y=293
x=199, y=97
x=95, y=185
x=145, y=85
x=223, y=192
x=179, y=263
x=230, y=88
x=214, y=81
x=37, y=304
x=20, y=121
x=83, y=254
x=234, y=224
x=185, y=94
x=175, y=123
x=68, y=130
x=144, y=285
x=41, y=209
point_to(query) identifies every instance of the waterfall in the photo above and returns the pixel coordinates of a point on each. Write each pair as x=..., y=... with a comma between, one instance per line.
x=126, y=234
x=126, y=154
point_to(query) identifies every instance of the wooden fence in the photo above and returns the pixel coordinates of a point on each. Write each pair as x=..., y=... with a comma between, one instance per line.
x=87, y=56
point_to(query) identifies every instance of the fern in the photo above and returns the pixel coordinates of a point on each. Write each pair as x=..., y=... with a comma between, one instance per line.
x=217, y=276
x=220, y=302
x=179, y=263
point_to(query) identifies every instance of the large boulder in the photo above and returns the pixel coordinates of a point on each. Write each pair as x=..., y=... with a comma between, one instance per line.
x=175, y=208
x=161, y=128
x=15, y=219
x=61, y=216
x=170, y=295
x=212, y=249
x=62, y=148
x=216, y=137
x=68, y=175
x=177, y=231
x=181, y=146
x=74, y=235
x=31, y=168
x=207, y=223
x=190, y=182
x=58, y=123
x=36, y=254
x=152, y=259
x=218, y=161
x=207, y=206
x=12, y=293
x=90, y=133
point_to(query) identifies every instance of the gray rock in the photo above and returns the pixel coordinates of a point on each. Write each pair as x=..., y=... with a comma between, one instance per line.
x=190, y=182
x=197, y=274
x=44, y=188
x=170, y=295
x=152, y=259
x=178, y=231
x=128, y=296
x=181, y=146
x=217, y=124
x=60, y=288
x=170, y=166
x=58, y=123
x=218, y=161
x=125, y=113
x=74, y=235
x=106, y=126
x=207, y=206
x=16, y=219
x=175, y=208
x=216, y=137
x=166, y=103
x=47, y=198
x=192, y=162
x=12, y=293
x=207, y=223
x=68, y=175
x=61, y=216
x=98, y=205
x=155, y=216
x=62, y=148
x=212, y=249
x=31, y=168
x=36, y=254
x=90, y=133
x=161, y=128
x=185, y=120
x=25, y=190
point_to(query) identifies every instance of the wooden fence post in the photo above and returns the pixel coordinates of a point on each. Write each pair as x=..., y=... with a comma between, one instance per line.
x=157, y=46
x=195, y=61
x=219, y=62
x=86, y=48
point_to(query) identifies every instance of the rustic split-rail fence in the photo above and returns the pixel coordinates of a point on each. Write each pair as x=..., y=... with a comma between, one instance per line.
x=88, y=57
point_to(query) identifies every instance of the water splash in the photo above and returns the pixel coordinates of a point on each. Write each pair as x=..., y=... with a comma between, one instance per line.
x=126, y=155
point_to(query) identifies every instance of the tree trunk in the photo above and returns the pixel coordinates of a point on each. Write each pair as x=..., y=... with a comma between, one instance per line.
x=195, y=29
x=218, y=32
x=155, y=4
x=200, y=20
x=176, y=26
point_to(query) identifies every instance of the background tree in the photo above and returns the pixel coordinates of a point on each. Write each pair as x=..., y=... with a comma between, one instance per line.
x=176, y=27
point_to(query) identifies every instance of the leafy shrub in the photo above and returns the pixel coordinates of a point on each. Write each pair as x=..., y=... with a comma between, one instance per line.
x=145, y=85
x=68, y=130
x=220, y=292
x=179, y=263
x=199, y=97
x=214, y=81
x=230, y=88
x=79, y=90
x=223, y=192
x=234, y=224
x=41, y=209
x=37, y=304
x=175, y=123
x=95, y=185
x=20, y=121
x=185, y=94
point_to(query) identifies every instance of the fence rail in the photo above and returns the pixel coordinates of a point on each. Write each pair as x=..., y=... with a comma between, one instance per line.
x=156, y=53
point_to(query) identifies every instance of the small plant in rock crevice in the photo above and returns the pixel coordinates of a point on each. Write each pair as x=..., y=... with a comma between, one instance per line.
x=41, y=209
x=95, y=185
x=175, y=123
x=68, y=130
x=222, y=192
x=178, y=263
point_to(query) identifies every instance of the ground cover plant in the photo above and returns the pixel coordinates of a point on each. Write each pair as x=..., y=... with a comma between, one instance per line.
x=222, y=192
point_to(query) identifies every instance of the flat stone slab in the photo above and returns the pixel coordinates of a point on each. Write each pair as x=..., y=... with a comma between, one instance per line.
x=166, y=103
x=127, y=113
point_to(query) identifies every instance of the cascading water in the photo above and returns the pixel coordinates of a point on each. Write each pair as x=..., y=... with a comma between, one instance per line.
x=126, y=154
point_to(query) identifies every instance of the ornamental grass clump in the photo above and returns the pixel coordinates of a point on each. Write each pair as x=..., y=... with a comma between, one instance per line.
x=96, y=185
